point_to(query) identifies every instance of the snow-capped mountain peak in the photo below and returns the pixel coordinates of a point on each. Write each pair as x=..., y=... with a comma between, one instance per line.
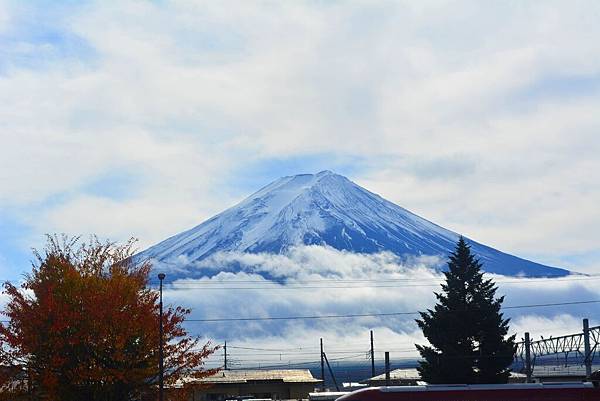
x=325, y=209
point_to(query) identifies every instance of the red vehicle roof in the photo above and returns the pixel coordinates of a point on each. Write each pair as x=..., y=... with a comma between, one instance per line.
x=480, y=392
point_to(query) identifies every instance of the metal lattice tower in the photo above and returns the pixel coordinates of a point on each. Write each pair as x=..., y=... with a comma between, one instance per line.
x=583, y=345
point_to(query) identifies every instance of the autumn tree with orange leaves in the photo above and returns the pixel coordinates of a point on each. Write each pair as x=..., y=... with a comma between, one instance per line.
x=84, y=325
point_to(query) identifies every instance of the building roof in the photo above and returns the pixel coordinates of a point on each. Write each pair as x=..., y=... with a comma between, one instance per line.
x=246, y=375
x=412, y=374
x=397, y=374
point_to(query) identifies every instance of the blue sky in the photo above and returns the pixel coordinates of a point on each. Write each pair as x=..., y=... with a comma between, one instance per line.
x=145, y=118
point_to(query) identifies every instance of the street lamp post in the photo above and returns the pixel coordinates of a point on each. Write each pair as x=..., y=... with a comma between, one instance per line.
x=161, y=388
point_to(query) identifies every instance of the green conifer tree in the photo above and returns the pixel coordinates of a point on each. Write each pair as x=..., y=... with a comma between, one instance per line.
x=466, y=330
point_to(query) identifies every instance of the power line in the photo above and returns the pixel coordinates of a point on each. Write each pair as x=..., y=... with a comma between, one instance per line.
x=242, y=319
x=357, y=315
x=277, y=351
x=302, y=363
x=296, y=354
x=552, y=304
x=273, y=285
x=361, y=355
x=270, y=349
x=336, y=279
x=236, y=358
x=273, y=353
x=310, y=346
x=315, y=349
x=297, y=284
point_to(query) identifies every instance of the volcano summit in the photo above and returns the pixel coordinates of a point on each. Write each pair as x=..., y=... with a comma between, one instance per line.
x=324, y=209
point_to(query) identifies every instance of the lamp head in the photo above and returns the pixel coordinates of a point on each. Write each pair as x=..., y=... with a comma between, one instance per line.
x=161, y=276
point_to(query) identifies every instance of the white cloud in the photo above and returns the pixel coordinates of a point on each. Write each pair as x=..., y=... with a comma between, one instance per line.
x=380, y=283
x=544, y=327
x=187, y=95
x=305, y=261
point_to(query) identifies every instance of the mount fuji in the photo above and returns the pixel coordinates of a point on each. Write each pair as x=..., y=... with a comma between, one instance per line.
x=323, y=209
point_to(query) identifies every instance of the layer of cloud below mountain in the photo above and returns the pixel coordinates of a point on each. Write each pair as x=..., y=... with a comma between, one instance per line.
x=315, y=280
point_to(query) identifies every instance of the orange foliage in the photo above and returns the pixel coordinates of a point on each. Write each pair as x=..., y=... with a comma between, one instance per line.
x=85, y=326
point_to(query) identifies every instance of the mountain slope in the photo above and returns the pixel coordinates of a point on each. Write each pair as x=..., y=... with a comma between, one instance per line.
x=325, y=209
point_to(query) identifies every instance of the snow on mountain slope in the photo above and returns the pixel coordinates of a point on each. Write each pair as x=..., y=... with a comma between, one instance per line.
x=324, y=209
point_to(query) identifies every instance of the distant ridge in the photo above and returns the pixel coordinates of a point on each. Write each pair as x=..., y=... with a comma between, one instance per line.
x=324, y=209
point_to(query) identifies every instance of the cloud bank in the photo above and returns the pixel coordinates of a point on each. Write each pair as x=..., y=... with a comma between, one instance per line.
x=322, y=281
x=314, y=280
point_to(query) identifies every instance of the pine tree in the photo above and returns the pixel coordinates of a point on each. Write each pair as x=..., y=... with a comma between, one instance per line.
x=466, y=330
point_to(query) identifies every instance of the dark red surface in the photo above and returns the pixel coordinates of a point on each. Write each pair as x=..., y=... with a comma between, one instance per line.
x=509, y=394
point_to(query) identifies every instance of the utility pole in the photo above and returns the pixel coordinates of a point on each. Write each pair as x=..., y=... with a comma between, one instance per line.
x=225, y=352
x=372, y=356
x=528, y=357
x=387, y=368
x=587, y=348
x=322, y=368
x=161, y=383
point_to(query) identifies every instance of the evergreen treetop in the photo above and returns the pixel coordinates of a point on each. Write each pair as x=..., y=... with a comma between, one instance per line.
x=466, y=330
